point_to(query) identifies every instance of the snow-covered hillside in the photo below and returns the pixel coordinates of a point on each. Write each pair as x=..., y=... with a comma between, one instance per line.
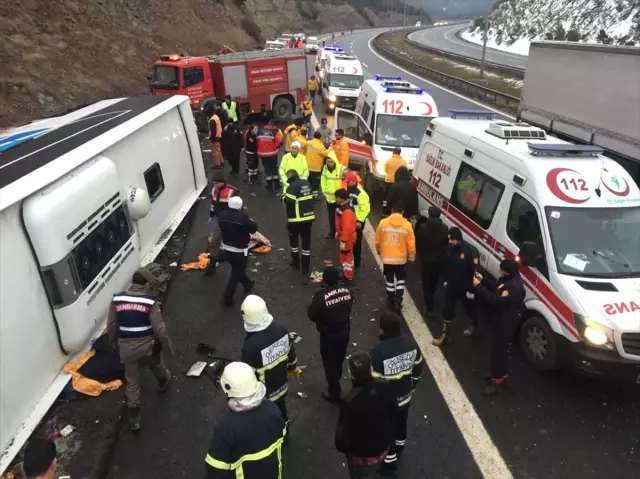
x=516, y=22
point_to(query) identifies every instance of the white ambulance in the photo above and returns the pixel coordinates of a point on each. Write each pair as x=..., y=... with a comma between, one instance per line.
x=321, y=59
x=571, y=215
x=341, y=81
x=389, y=113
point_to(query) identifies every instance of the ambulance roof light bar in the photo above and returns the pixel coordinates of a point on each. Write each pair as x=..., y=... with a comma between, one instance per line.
x=382, y=78
x=336, y=49
x=564, y=149
x=479, y=114
x=402, y=89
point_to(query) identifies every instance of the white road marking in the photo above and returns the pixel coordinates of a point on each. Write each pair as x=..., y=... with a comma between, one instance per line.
x=483, y=449
x=438, y=86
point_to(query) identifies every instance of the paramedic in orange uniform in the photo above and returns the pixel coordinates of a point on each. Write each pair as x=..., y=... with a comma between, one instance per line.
x=341, y=147
x=215, y=136
x=346, y=232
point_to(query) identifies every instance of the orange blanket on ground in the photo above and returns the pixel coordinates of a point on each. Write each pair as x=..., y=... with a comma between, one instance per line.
x=85, y=385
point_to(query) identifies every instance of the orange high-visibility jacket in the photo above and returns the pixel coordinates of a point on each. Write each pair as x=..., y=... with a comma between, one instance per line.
x=346, y=224
x=395, y=240
x=341, y=147
x=391, y=166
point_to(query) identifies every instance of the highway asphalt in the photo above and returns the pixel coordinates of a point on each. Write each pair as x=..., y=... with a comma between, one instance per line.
x=559, y=425
x=444, y=38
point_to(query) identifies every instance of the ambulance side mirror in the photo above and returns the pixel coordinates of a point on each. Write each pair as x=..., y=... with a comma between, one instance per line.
x=529, y=253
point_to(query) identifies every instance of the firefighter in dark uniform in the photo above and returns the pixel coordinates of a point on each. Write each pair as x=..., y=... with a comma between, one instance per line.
x=247, y=440
x=221, y=193
x=460, y=267
x=136, y=326
x=397, y=359
x=300, y=215
x=330, y=309
x=506, y=301
x=269, y=350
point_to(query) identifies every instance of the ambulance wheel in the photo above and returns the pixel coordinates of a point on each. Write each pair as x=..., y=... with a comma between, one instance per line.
x=282, y=109
x=538, y=344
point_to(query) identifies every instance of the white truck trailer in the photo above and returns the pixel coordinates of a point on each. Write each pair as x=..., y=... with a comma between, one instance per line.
x=586, y=93
x=85, y=199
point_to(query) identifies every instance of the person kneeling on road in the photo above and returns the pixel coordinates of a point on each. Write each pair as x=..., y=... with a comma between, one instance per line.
x=269, y=350
x=397, y=359
x=330, y=309
x=247, y=440
x=236, y=227
x=136, y=325
x=506, y=300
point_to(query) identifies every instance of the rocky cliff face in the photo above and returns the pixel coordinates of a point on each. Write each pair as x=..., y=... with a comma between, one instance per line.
x=58, y=54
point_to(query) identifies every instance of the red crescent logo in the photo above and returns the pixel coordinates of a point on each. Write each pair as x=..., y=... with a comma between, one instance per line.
x=429, y=108
x=355, y=69
x=624, y=192
x=552, y=184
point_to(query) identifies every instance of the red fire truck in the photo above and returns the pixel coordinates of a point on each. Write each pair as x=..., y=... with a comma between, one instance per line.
x=259, y=81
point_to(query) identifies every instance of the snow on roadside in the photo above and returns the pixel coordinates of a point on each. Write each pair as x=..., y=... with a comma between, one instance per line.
x=519, y=47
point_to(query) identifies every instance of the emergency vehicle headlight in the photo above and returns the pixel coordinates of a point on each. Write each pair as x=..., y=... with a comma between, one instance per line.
x=332, y=97
x=332, y=106
x=174, y=58
x=595, y=333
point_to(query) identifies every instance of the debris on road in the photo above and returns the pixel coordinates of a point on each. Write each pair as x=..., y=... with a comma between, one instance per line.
x=316, y=277
x=173, y=265
x=303, y=395
x=196, y=369
x=202, y=263
x=372, y=320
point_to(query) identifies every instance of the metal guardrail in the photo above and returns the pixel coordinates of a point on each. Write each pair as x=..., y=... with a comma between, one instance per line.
x=495, y=98
x=499, y=68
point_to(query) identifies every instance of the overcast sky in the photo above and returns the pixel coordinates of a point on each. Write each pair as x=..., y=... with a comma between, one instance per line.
x=454, y=8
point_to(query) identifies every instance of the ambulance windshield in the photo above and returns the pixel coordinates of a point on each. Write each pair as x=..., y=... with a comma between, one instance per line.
x=340, y=80
x=396, y=130
x=596, y=242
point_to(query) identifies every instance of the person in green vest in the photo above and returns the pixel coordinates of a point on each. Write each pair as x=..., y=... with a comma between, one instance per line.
x=330, y=182
x=294, y=160
x=231, y=107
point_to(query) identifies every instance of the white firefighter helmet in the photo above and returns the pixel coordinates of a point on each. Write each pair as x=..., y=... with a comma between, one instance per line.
x=254, y=310
x=239, y=380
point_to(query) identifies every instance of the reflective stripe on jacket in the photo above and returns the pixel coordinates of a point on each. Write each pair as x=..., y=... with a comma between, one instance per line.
x=360, y=202
x=331, y=181
x=395, y=240
x=231, y=109
x=299, y=202
x=247, y=445
x=297, y=163
x=132, y=315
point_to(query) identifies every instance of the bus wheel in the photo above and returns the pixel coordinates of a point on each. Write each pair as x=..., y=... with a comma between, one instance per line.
x=539, y=345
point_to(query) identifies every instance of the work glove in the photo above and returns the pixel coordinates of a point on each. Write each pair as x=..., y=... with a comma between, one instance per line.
x=470, y=295
x=210, y=221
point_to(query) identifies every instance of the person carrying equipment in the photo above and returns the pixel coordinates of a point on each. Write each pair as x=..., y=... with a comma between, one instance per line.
x=298, y=200
x=396, y=245
x=331, y=182
x=346, y=233
x=247, y=440
x=136, y=326
x=269, y=350
x=397, y=359
x=294, y=160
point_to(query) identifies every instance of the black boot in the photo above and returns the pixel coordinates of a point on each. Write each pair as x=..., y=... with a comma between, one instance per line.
x=267, y=184
x=492, y=389
x=295, y=260
x=135, y=419
x=211, y=267
x=249, y=286
x=306, y=263
x=164, y=384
